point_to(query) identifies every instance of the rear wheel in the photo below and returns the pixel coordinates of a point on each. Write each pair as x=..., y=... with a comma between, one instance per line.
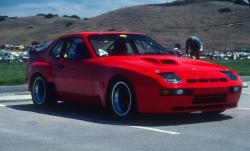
x=121, y=98
x=213, y=113
x=42, y=93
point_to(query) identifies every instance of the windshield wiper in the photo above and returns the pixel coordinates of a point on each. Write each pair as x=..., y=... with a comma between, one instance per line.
x=152, y=53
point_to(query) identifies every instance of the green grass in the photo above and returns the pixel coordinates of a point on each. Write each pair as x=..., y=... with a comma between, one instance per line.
x=12, y=74
x=242, y=67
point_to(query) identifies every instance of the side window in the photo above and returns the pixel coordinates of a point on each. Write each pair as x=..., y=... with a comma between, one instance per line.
x=57, y=49
x=76, y=49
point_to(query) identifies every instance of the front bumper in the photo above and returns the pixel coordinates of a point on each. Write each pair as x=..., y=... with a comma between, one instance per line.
x=201, y=99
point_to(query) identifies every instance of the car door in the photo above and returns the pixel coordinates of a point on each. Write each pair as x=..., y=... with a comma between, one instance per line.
x=73, y=74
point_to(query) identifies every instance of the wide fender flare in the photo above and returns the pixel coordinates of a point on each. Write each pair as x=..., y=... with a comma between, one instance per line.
x=137, y=81
x=43, y=68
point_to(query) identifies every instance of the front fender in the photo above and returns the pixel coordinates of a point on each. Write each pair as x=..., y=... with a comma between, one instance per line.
x=138, y=81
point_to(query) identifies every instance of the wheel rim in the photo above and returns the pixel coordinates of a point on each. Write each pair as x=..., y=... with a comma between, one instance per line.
x=121, y=99
x=39, y=91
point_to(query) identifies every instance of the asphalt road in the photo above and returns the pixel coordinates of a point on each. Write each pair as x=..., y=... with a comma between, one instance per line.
x=71, y=128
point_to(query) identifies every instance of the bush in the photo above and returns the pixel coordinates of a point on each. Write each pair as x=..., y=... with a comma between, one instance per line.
x=111, y=29
x=48, y=16
x=14, y=17
x=242, y=2
x=75, y=16
x=68, y=24
x=72, y=16
x=30, y=27
x=224, y=10
x=3, y=18
x=41, y=15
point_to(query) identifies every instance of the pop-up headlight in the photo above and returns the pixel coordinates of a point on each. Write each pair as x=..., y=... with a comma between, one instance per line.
x=230, y=75
x=171, y=77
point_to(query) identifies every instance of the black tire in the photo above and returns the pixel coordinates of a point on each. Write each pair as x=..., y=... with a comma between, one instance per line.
x=121, y=98
x=42, y=93
x=213, y=113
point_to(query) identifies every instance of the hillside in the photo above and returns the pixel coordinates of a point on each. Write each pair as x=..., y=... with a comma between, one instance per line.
x=168, y=24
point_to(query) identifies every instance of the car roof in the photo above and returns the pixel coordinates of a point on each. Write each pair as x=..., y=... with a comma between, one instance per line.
x=98, y=33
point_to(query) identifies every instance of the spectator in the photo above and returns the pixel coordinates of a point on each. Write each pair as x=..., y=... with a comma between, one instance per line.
x=2, y=46
x=195, y=45
x=177, y=50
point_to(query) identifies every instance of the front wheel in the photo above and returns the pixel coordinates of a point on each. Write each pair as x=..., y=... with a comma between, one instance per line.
x=121, y=98
x=42, y=93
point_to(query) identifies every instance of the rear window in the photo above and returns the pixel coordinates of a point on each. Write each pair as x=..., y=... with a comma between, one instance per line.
x=44, y=47
x=39, y=49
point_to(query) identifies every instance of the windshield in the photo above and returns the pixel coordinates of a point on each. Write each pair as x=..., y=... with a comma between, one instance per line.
x=118, y=45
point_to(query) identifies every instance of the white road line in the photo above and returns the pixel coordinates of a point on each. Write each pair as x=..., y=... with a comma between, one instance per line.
x=155, y=130
x=245, y=92
x=2, y=105
x=14, y=97
x=242, y=108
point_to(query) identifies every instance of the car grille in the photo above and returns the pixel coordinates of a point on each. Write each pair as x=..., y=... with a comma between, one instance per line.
x=213, y=98
x=204, y=80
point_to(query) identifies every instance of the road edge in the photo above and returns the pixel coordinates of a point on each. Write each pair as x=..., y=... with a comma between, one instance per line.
x=245, y=78
x=15, y=88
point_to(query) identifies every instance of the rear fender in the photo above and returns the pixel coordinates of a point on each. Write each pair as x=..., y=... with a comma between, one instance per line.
x=42, y=68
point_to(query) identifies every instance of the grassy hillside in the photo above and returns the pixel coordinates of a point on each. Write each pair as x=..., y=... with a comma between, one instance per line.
x=168, y=24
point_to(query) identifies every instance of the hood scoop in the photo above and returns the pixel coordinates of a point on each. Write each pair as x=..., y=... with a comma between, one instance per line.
x=160, y=62
x=169, y=61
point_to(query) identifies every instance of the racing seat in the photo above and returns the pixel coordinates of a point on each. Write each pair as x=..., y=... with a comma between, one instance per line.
x=80, y=52
x=119, y=49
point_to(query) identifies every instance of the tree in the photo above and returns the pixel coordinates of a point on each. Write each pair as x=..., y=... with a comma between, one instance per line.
x=75, y=16
x=242, y=2
x=68, y=24
x=48, y=16
x=40, y=15
x=3, y=18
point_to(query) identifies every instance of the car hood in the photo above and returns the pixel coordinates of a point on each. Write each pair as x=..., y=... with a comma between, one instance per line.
x=165, y=63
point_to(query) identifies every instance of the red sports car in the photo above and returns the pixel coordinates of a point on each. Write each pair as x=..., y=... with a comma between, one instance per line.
x=128, y=72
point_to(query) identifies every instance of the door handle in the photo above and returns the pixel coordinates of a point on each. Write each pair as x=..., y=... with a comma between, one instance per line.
x=60, y=66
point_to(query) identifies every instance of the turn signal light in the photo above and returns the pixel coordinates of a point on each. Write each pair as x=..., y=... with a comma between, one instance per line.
x=176, y=92
x=235, y=89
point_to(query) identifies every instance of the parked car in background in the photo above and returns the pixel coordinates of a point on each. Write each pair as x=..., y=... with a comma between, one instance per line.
x=13, y=57
x=128, y=73
x=242, y=53
x=216, y=55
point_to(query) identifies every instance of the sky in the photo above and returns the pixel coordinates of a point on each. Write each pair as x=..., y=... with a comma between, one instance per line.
x=82, y=8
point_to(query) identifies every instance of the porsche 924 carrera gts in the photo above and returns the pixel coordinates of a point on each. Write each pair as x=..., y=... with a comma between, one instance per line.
x=128, y=73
